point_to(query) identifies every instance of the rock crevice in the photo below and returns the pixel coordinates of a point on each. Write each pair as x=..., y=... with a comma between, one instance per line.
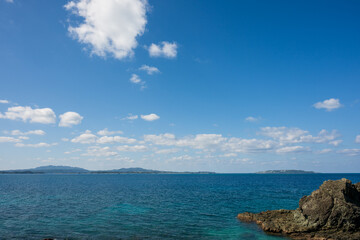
x=330, y=212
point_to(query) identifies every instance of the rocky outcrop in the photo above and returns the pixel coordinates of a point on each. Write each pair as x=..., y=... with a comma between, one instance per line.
x=331, y=212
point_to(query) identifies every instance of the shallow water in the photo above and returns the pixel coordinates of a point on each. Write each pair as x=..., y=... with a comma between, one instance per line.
x=146, y=206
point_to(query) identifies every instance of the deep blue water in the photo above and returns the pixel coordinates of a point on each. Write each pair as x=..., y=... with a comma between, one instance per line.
x=146, y=206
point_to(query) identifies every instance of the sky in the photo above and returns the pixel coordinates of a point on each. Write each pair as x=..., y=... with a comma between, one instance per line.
x=206, y=85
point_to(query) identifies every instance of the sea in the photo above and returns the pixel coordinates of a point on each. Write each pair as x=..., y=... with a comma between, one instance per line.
x=146, y=206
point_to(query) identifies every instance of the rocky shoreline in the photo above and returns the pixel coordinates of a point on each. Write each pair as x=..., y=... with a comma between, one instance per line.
x=331, y=212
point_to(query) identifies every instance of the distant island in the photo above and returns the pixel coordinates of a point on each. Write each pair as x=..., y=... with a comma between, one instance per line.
x=76, y=170
x=286, y=172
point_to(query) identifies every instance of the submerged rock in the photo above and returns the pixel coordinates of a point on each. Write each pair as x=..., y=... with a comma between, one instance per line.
x=330, y=212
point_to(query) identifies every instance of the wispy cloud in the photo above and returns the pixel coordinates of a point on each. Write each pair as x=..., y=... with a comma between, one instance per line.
x=130, y=117
x=36, y=145
x=32, y=132
x=106, y=132
x=350, y=152
x=149, y=70
x=252, y=119
x=137, y=80
x=9, y=140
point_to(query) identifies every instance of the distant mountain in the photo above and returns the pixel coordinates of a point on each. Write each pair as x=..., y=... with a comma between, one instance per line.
x=286, y=172
x=59, y=169
x=129, y=170
x=49, y=169
x=66, y=169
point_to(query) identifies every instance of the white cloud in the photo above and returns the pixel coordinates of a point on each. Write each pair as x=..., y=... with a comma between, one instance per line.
x=96, y=151
x=150, y=117
x=164, y=49
x=329, y=104
x=85, y=138
x=134, y=148
x=181, y=158
x=130, y=117
x=116, y=139
x=32, y=132
x=336, y=142
x=350, y=152
x=166, y=139
x=292, y=149
x=324, y=151
x=167, y=151
x=105, y=132
x=36, y=145
x=69, y=119
x=109, y=27
x=137, y=80
x=24, y=138
x=229, y=155
x=9, y=1
x=357, y=139
x=9, y=139
x=38, y=115
x=249, y=145
x=252, y=119
x=3, y=101
x=149, y=70
x=295, y=135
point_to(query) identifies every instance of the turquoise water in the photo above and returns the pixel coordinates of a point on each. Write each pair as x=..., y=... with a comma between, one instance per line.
x=146, y=206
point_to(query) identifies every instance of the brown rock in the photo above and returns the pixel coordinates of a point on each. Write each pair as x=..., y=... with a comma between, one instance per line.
x=331, y=212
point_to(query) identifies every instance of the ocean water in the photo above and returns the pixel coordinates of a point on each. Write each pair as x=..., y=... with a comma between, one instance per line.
x=146, y=206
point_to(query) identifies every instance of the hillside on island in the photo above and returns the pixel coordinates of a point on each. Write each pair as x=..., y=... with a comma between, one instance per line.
x=285, y=172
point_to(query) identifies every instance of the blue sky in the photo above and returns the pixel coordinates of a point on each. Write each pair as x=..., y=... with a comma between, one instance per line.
x=240, y=86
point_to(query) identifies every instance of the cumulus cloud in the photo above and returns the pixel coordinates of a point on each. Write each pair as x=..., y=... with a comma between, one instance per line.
x=149, y=70
x=32, y=132
x=3, y=101
x=106, y=132
x=150, y=117
x=329, y=104
x=134, y=148
x=357, y=139
x=249, y=145
x=69, y=119
x=116, y=139
x=163, y=49
x=9, y=139
x=38, y=115
x=36, y=145
x=295, y=135
x=167, y=151
x=109, y=27
x=85, y=138
x=96, y=151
